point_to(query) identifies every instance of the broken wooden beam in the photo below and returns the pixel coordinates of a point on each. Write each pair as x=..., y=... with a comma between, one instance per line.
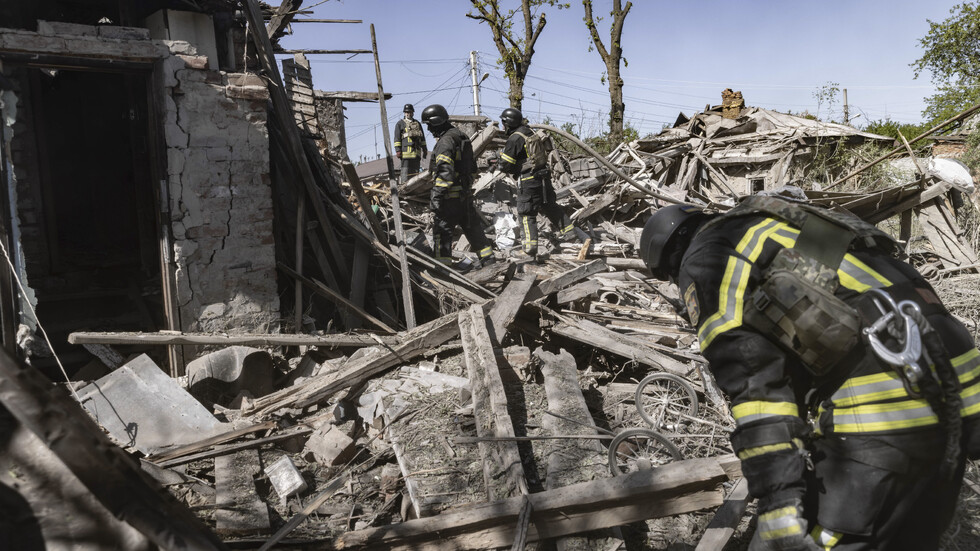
x=337, y=298
x=508, y=304
x=410, y=345
x=265, y=339
x=349, y=95
x=726, y=519
x=502, y=467
x=108, y=472
x=180, y=451
x=675, y=488
x=567, y=278
x=595, y=335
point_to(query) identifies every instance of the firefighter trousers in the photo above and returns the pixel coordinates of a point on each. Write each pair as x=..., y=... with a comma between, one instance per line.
x=536, y=194
x=450, y=214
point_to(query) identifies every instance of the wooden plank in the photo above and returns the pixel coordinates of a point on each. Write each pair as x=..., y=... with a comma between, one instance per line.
x=596, y=206
x=612, y=262
x=248, y=339
x=337, y=298
x=726, y=519
x=238, y=509
x=208, y=442
x=293, y=143
x=939, y=226
x=570, y=461
x=362, y=199
x=396, y=209
x=567, y=278
x=410, y=345
x=281, y=17
x=578, y=291
x=597, y=336
x=675, y=488
x=323, y=52
x=219, y=451
x=349, y=96
x=508, y=304
x=105, y=469
x=502, y=468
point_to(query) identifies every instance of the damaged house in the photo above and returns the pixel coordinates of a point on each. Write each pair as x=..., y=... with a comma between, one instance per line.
x=263, y=353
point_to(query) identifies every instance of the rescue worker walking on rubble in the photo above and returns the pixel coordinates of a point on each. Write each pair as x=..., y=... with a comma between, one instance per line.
x=804, y=312
x=451, y=166
x=409, y=143
x=526, y=158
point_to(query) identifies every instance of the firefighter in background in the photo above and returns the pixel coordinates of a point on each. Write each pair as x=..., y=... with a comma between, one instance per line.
x=525, y=157
x=801, y=313
x=451, y=166
x=409, y=143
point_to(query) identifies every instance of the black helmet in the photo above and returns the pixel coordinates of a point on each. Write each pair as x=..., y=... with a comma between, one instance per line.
x=408, y=107
x=435, y=115
x=666, y=236
x=512, y=118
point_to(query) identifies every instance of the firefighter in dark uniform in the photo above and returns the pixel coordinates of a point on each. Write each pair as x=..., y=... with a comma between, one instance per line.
x=409, y=143
x=451, y=166
x=534, y=189
x=843, y=449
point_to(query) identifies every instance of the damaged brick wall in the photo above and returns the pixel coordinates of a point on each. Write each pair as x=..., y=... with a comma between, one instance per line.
x=220, y=197
x=217, y=158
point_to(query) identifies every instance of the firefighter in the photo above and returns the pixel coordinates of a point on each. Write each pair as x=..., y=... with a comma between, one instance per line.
x=410, y=144
x=842, y=450
x=451, y=166
x=524, y=157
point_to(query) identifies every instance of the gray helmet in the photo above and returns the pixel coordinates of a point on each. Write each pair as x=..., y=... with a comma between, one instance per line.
x=408, y=108
x=512, y=118
x=435, y=115
x=666, y=236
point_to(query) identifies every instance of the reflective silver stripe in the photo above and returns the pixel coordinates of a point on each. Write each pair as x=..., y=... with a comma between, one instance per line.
x=747, y=412
x=444, y=158
x=826, y=539
x=780, y=523
x=755, y=237
x=869, y=388
x=967, y=365
x=857, y=276
x=883, y=417
x=730, y=300
x=508, y=158
x=971, y=400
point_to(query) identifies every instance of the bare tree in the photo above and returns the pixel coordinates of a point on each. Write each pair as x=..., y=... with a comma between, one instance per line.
x=611, y=59
x=515, y=51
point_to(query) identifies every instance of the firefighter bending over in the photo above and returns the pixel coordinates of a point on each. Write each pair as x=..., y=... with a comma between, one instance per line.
x=451, y=166
x=409, y=143
x=805, y=313
x=526, y=158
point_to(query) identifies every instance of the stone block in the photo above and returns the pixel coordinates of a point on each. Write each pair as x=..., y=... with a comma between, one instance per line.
x=198, y=232
x=175, y=160
x=124, y=33
x=244, y=79
x=58, y=28
x=116, y=49
x=198, y=62
x=329, y=446
x=247, y=92
x=180, y=47
x=32, y=42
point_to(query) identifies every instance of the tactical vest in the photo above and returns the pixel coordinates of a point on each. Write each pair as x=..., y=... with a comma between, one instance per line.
x=411, y=136
x=794, y=304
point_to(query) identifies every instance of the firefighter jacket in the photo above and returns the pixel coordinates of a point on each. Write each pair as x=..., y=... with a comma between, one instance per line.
x=772, y=393
x=409, y=139
x=451, y=166
x=513, y=160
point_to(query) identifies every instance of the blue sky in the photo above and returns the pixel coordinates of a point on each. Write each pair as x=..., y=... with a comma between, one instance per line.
x=681, y=55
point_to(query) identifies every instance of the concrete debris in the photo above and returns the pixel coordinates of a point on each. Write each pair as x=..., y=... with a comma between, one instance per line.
x=426, y=405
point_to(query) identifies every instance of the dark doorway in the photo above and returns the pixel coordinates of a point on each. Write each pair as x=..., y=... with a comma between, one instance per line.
x=102, y=270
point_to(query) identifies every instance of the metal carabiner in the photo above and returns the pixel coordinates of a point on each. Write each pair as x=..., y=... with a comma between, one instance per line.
x=906, y=359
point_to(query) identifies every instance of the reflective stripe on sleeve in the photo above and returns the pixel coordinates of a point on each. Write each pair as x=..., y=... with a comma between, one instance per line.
x=508, y=158
x=441, y=158
x=747, y=412
x=826, y=539
x=780, y=523
x=869, y=388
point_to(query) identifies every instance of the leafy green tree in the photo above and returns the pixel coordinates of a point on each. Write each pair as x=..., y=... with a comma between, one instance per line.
x=952, y=57
x=516, y=49
x=890, y=128
x=611, y=57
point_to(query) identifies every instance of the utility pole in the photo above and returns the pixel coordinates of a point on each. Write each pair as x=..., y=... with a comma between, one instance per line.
x=476, y=85
x=847, y=117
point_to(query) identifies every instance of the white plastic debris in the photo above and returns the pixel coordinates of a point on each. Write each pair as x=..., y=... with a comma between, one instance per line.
x=285, y=477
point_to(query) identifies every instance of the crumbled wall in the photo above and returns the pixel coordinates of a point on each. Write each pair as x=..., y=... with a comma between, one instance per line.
x=220, y=196
x=217, y=157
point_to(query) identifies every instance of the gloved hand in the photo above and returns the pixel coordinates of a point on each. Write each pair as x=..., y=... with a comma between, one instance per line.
x=398, y=154
x=783, y=528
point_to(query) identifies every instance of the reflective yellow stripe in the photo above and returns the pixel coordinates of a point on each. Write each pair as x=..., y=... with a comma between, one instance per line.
x=442, y=183
x=858, y=276
x=508, y=158
x=749, y=453
x=826, y=539
x=883, y=417
x=440, y=158
x=971, y=400
x=780, y=523
x=746, y=412
x=485, y=252
x=567, y=228
x=397, y=144
x=730, y=301
x=869, y=388
x=967, y=365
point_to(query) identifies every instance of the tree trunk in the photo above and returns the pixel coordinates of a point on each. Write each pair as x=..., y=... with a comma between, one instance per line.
x=516, y=94
x=617, y=108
